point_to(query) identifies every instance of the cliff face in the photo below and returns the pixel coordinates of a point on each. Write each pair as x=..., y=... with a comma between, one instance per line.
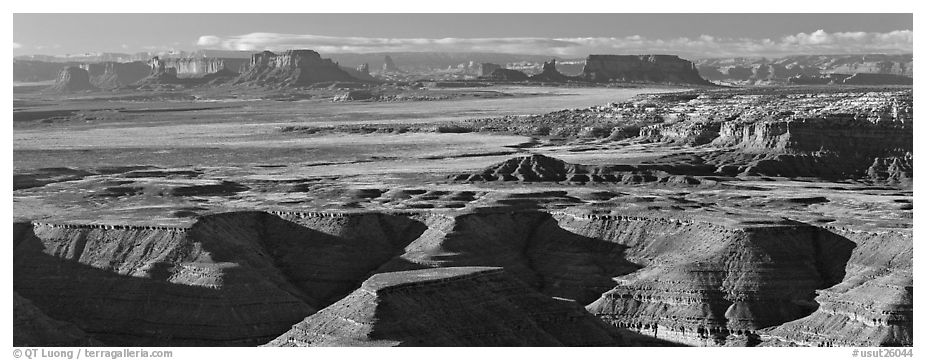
x=291, y=68
x=508, y=75
x=872, y=306
x=197, y=67
x=807, y=69
x=734, y=279
x=549, y=73
x=641, y=68
x=111, y=75
x=830, y=147
x=454, y=306
x=250, y=275
x=34, y=71
x=725, y=281
x=72, y=78
x=245, y=278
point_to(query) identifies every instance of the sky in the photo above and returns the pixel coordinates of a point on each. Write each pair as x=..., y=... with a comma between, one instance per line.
x=567, y=35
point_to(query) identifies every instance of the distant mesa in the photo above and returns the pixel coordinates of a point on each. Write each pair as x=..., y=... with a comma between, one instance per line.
x=71, y=79
x=291, y=68
x=659, y=69
x=508, y=75
x=111, y=75
x=486, y=69
x=809, y=69
x=641, y=68
x=549, y=73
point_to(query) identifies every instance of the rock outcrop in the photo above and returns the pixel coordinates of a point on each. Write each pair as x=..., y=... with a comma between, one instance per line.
x=508, y=75
x=37, y=71
x=731, y=280
x=246, y=278
x=202, y=66
x=641, y=68
x=454, y=306
x=540, y=168
x=292, y=68
x=230, y=279
x=112, y=75
x=549, y=73
x=872, y=306
x=71, y=79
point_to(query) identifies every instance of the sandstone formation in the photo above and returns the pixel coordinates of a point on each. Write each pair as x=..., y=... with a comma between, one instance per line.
x=549, y=73
x=486, y=69
x=508, y=75
x=252, y=275
x=540, y=168
x=112, y=75
x=680, y=279
x=36, y=71
x=807, y=69
x=202, y=66
x=71, y=79
x=454, y=306
x=641, y=68
x=293, y=68
x=731, y=281
x=857, y=133
x=872, y=306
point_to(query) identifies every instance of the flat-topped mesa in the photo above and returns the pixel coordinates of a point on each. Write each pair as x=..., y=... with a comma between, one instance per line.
x=641, y=68
x=291, y=68
x=72, y=78
x=508, y=75
x=111, y=74
x=202, y=66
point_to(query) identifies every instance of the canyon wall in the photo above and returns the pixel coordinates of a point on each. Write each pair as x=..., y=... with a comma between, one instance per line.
x=245, y=278
x=452, y=306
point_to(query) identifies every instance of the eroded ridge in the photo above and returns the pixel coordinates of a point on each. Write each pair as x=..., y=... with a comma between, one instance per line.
x=244, y=278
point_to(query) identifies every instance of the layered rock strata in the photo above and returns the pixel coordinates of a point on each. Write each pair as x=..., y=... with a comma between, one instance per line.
x=454, y=306
x=291, y=68
x=641, y=68
x=72, y=78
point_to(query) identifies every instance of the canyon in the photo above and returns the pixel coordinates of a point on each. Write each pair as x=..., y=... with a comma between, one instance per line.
x=289, y=199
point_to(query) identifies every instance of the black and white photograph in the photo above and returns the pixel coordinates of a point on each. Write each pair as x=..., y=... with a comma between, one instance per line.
x=461, y=179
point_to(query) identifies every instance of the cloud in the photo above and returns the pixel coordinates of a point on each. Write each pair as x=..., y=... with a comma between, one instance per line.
x=817, y=42
x=16, y=45
x=208, y=40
